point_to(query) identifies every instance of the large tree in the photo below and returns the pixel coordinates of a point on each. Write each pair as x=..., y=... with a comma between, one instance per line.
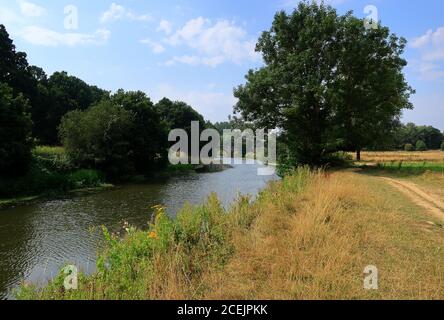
x=370, y=89
x=293, y=90
x=328, y=83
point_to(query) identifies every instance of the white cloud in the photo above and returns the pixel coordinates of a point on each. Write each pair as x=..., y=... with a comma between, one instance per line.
x=30, y=9
x=430, y=45
x=213, y=105
x=117, y=12
x=9, y=17
x=165, y=26
x=156, y=47
x=431, y=37
x=47, y=37
x=213, y=43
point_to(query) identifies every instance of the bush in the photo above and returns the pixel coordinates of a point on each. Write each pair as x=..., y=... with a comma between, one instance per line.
x=99, y=138
x=421, y=146
x=53, y=158
x=85, y=178
x=442, y=146
x=48, y=175
x=409, y=147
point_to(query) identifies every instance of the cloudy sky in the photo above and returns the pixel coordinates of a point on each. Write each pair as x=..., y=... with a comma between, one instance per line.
x=198, y=50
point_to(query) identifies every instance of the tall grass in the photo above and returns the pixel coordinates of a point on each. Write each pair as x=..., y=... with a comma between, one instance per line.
x=382, y=157
x=169, y=260
x=309, y=236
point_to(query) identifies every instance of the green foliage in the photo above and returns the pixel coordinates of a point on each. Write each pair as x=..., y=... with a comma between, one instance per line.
x=53, y=158
x=85, y=178
x=122, y=136
x=325, y=98
x=15, y=133
x=370, y=85
x=421, y=146
x=178, y=115
x=61, y=94
x=409, y=147
x=411, y=167
x=442, y=146
x=100, y=138
x=411, y=134
x=149, y=135
x=50, y=171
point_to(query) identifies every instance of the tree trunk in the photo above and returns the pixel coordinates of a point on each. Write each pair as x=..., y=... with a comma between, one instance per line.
x=358, y=155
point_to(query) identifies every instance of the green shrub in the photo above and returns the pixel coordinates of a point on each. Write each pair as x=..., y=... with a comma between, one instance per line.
x=442, y=146
x=421, y=146
x=85, y=178
x=409, y=147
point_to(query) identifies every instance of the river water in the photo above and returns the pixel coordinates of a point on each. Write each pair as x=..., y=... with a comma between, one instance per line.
x=39, y=239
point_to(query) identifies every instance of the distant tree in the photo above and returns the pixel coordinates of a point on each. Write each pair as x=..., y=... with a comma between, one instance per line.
x=409, y=147
x=421, y=146
x=149, y=143
x=100, y=137
x=411, y=133
x=179, y=115
x=65, y=93
x=15, y=133
x=221, y=126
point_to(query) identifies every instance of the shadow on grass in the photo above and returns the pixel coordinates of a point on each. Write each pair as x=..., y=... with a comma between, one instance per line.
x=400, y=170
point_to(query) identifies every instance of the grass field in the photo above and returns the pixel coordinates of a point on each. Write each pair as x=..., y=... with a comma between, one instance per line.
x=383, y=157
x=309, y=236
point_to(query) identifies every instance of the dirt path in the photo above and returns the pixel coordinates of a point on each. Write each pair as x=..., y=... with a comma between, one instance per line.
x=433, y=205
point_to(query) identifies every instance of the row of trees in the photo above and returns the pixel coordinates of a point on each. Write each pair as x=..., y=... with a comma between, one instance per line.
x=122, y=133
x=411, y=137
x=329, y=83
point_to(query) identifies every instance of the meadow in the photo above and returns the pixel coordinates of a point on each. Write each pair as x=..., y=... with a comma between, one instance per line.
x=397, y=156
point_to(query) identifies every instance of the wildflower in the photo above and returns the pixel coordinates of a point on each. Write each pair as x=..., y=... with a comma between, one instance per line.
x=126, y=226
x=153, y=235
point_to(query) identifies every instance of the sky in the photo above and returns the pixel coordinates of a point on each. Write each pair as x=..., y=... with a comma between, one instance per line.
x=197, y=51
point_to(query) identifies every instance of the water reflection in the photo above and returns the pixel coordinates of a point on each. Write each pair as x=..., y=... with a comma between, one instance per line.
x=37, y=240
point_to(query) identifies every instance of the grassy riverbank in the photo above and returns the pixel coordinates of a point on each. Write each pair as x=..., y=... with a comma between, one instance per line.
x=309, y=236
x=51, y=173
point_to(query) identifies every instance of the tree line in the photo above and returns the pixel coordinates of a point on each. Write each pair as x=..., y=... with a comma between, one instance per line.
x=328, y=84
x=121, y=134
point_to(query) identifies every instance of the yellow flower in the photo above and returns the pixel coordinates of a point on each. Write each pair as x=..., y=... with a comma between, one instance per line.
x=153, y=235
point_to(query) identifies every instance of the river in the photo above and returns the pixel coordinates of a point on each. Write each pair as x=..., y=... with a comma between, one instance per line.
x=37, y=240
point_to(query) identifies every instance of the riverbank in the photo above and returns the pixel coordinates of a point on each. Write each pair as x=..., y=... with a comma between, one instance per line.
x=52, y=176
x=309, y=236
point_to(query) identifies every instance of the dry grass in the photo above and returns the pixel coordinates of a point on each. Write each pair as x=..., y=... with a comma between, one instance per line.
x=309, y=236
x=381, y=157
x=317, y=244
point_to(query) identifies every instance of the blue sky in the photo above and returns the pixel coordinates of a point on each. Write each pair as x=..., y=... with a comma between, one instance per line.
x=198, y=50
